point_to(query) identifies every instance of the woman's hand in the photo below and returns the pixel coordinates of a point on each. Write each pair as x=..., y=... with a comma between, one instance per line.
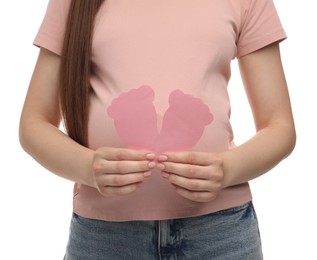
x=200, y=176
x=119, y=171
x=196, y=176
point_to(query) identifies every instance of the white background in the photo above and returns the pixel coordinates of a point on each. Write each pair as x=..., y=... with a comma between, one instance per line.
x=35, y=205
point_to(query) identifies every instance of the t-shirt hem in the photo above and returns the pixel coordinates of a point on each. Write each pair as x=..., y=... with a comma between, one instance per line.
x=42, y=41
x=163, y=214
x=277, y=36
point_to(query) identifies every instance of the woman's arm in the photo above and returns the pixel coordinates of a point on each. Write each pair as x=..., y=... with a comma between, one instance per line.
x=110, y=170
x=266, y=88
x=40, y=119
x=199, y=176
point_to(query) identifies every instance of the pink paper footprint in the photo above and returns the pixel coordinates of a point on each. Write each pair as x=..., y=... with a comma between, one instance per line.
x=135, y=120
x=183, y=123
x=135, y=117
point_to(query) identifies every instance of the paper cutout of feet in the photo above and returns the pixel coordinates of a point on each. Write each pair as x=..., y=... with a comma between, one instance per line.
x=135, y=117
x=183, y=123
x=135, y=120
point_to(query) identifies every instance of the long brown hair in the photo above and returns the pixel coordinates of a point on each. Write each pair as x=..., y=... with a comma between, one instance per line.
x=76, y=68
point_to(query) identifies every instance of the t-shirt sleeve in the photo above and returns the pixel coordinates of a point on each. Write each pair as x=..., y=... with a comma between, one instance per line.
x=261, y=27
x=51, y=32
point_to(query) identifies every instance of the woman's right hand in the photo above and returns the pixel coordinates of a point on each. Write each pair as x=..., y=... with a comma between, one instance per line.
x=113, y=171
x=119, y=171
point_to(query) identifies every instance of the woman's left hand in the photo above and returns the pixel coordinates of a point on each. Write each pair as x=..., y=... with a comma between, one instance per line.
x=197, y=176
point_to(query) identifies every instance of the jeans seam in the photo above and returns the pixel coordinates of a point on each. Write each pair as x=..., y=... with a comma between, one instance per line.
x=159, y=239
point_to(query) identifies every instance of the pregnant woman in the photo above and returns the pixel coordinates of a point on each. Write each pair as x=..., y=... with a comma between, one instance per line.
x=141, y=86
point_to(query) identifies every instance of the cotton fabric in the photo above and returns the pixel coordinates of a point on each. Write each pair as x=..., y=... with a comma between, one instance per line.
x=159, y=82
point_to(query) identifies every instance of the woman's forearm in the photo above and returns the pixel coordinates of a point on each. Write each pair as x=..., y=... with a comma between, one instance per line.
x=56, y=151
x=258, y=155
x=40, y=117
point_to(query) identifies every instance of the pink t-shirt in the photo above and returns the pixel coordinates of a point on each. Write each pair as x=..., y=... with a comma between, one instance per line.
x=159, y=81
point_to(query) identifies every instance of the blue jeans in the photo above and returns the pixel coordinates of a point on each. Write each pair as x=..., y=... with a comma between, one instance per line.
x=230, y=234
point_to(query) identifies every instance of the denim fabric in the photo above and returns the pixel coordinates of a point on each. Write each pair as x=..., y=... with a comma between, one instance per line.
x=230, y=234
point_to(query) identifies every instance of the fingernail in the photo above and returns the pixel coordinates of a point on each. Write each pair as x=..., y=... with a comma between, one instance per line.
x=147, y=174
x=160, y=166
x=162, y=158
x=165, y=175
x=150, y=156
x=151, y=165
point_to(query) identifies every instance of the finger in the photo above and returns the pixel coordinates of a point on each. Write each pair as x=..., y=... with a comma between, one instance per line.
x=122, y=167
x=194, y=184
x=116, y=180
x=197, y=196
x=123, y=154
x=110, y=191
x=197, y=158
x=187, y=170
